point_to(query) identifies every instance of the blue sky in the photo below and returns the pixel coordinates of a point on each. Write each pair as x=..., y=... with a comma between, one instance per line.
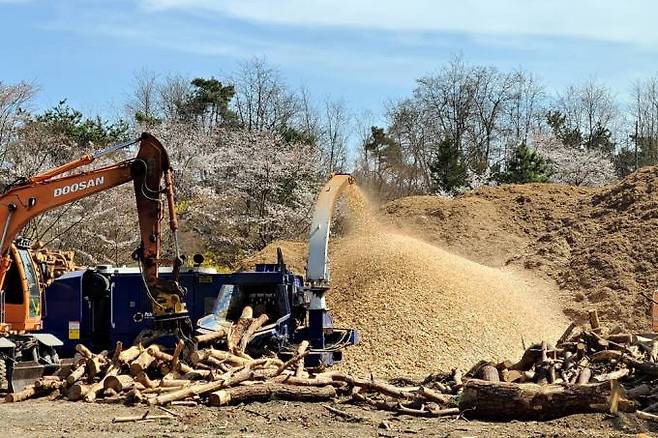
x=365, y=51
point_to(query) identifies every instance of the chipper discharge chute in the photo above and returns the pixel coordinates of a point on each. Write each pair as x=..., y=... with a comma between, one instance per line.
x=295, y=306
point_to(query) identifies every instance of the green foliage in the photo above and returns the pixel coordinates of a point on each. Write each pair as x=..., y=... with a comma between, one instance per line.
x=647, y=148
x=292, y=136
x=448, y=171
x=567, y=136
x=383, y=147
x=625, y=162
x=600, y=138
x=71, y=124
x=145, y=119
x=525, y=166
x=211, y=97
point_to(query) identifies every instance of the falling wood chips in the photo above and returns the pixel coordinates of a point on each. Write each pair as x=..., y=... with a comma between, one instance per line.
x=419, y=308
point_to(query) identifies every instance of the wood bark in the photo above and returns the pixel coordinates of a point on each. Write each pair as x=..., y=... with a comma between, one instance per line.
x=268, y=391
x=528, y=401
x=77, y=391
x=299, y=369
x=489, y=373
x=192, y=390
x=251, y=329
x=26, y=393
x=143, y=361
x=132, y=353
x=119, y=383
x=211, y=337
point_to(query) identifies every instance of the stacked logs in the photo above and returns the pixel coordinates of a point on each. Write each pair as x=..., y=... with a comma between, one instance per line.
x=587, y=370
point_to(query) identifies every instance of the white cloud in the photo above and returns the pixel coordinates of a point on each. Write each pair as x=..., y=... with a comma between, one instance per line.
x=608, y=20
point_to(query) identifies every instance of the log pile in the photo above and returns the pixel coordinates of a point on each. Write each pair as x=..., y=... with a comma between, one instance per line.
x=587, y=370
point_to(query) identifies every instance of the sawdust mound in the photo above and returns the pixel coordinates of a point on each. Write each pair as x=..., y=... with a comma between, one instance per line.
x=420, y=309
x=599, y=245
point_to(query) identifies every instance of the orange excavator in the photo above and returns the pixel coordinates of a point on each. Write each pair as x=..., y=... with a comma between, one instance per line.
x=23, y=353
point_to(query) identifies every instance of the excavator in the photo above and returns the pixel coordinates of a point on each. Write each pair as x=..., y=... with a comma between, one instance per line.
x=26, y=354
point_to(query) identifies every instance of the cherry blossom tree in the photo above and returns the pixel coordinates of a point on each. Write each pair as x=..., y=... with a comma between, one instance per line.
x=574, y=165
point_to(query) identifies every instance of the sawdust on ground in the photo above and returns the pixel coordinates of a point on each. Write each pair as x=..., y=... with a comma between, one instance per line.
x=421, y=309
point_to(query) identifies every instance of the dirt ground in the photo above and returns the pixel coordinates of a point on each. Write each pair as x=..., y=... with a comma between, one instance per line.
x=278, y=418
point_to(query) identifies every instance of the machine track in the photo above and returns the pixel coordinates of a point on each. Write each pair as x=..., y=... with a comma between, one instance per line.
x=4, y=381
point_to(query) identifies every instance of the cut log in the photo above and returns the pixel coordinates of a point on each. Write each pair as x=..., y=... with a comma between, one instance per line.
x=119, y=383
x=489, y=373
x=161, y=355
x=96, y=365
x=77, y=391
x=594, y=321
x=584, y=376
x=169, y=383
x=530, y=356
x=613, y=375
x=207, y=338
x=29, y=392
x=375, y=386
x=301, y=381
x=45, y=384
x=623, y=338
x=299, y=369
x=528, y=401
x=134, y=396
x=268, y=391
x=176, y=356
x=84, y=351
x=143, y=361
x=192, y=390
x=251, y=329
x=132, y=353
x=437, y=397
x=238, y=329
x=566, y=334
x=607, y=356
x=301, y=353
x=76, y=374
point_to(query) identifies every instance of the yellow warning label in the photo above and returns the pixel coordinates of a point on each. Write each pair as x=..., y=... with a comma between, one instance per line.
x=74, y=329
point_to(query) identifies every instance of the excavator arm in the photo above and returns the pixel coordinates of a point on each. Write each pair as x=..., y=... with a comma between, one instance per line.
x=48, y=190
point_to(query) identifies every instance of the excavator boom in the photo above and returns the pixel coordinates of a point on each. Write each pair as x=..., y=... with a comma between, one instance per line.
x=48, y=190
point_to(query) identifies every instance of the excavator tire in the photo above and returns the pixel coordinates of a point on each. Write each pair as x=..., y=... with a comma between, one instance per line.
x=4, y=381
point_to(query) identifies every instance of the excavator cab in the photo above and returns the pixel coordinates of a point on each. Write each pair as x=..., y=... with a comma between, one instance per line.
x=35, y=354
x=22, y=297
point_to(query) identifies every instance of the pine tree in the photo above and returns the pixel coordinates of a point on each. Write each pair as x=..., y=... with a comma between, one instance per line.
x=525, y=166
x=447, y=170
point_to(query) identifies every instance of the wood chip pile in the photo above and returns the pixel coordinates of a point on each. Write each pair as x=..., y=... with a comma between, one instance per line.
x=586, y=371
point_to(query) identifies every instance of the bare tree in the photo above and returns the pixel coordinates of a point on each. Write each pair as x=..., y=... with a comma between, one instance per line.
x=588, y=108
x=335, y=125
x=263, y=102
x=524, y=111
x=173, y=95
x=644, y=112
x=13, y=98
x=144, y=103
